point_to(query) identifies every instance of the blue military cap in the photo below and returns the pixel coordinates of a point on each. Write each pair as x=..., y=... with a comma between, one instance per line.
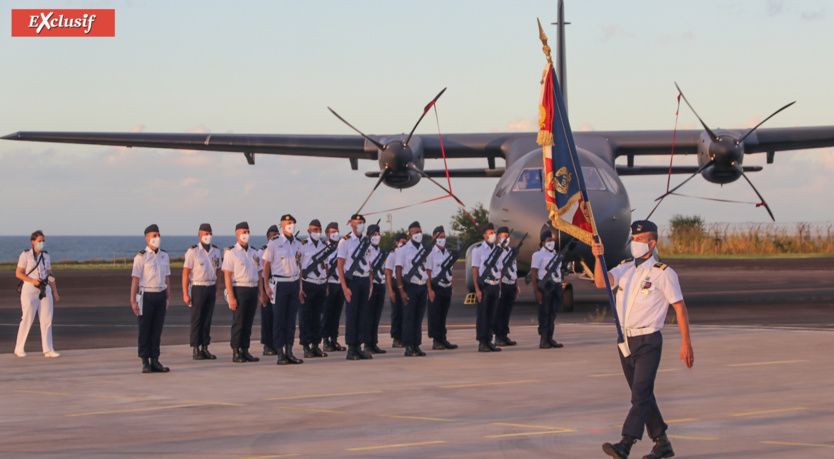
x=315, y=223
x=487, y=227
x=287, y=218
x=643, y=226
x=152, y=229
x=414, y=224
x=332, y=225
x=242, y=225
x=205, y=227
x=545, y=235
x=272, y=229
x=359, y=217
x=400, y=236
x=438, y=230
x=503, y=229
x=373, y=229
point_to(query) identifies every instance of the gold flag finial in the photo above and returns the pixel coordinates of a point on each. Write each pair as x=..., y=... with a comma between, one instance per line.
x=545, y=48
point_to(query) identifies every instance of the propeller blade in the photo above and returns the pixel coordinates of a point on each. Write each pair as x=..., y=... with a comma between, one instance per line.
x=425, y=110
x=378, y=183
x=422, y=173
x=763, y=203
x=378, y=145
x=769, y=117
x=700, y=169
x=709, y=131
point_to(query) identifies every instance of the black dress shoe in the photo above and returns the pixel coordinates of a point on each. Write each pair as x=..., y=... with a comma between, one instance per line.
x=157, y=367
x=662, y=448
x=336, y=345
x=328, y=345
x=419, y=351
x=397, y=344
x=554, y=343
x=378, y=350
x=482, y=347
x=237, y=356
x=308, y=352
x=449, y=345
x=492, y=347
x=352, y=353
x=500, y=340
x=282, y=358
x=146, y=365
x=362, y=354
x=269, y=350
x=318, y=352
x=249, y=357
x=411, y=352
x=197, y=354
x=619, y=450
x=508, y=341
x=544, y=343
x=288, y=352
x=438, y=345
x=208, y=355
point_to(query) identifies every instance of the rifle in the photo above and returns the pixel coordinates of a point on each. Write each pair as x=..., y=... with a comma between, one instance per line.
x=446, y=268
x=418, y=261
x=378, y=263
x=319, y=258
x=510, y=258
x=489, y=264
x=547, y=283
x=359, y=251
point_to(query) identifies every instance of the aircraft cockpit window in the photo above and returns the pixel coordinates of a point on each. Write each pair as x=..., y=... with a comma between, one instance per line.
x=505, y=183
x=592, y=179
x=529, y=180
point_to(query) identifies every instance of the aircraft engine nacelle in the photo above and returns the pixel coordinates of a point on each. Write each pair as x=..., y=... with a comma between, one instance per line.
x=398, y=162
x=726, y=154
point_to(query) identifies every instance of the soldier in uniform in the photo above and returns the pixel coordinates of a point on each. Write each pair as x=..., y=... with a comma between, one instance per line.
x=394, y=293
x=377, y=300
x=282, y=272
x=549, y=299
x=313, y=291
x=510, y=290
x=440, y=290
x=486, y=257
x=357, y=289
x=38, y=290
x=200, y=272
x=646, y=288
x=149, y=298
x=413, y=290
x=266, y=308
x=242, y=273
x=335, y=299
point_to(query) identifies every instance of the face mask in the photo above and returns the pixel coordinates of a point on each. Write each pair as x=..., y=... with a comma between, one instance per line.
x=39, y=246
x=400, y=244
x=334, y=236
x=360, y=227
x=244, y=238
x=550, y=245
x=154, y=242
x=502, y=239
x=491, y=238
x=375, y=239
x=315, y=236
x=289, y=228
x=507, y=241
x=206, y=239
x=417, y=237
x=441, y=242
x=638, y=249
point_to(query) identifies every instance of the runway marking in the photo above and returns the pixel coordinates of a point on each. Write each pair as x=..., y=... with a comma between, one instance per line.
x=307, y=409
x=692, y=438
x=401, y=445
x=131, y=411
x=269, y=457
x=524, y=434
x=416, y=417
x=524, y=425
x=668, y=370
x=122, y=398
x=753, y=413
x=490, y=384
x=325, y=395
x=42, y=393
x=214, y=403
x=821, y=445
x=763, y=363
x=680, y=420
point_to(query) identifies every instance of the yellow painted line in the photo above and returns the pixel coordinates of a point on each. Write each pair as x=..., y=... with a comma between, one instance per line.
x=778, y=362
x=532, y=433
x=524, y=425
x=401, y=445
x=490, y=384
x=620, y=374
x=39, y=392
x=269, y=457
x=214, y=403
x=821, y=445
x=415, y=417
x=326, y=395
x=130, y=411
x=307, y=409
x=753, y=413
x=680, y=420
x=691, y=438
x=122, y=398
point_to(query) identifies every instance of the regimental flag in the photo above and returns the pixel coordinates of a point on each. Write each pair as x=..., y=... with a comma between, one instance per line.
x=564, y=185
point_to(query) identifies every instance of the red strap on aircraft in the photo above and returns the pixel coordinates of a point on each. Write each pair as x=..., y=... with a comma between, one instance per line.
x=671, y=157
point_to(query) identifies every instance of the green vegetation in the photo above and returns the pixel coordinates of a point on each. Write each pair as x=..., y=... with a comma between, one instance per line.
x=465, y=229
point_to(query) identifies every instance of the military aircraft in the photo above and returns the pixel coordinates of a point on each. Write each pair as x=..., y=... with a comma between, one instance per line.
x=518, y=198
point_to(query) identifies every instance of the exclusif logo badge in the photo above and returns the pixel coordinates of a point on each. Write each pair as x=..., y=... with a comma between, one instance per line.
x=63, y=23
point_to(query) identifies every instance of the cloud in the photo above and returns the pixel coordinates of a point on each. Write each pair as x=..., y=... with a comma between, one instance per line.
x=137, y=128
x=522, y=125
x=674, y=40
x=585, y=127
x=613, y=31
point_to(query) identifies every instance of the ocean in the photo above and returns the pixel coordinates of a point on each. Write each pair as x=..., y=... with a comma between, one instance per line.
x=107, y=248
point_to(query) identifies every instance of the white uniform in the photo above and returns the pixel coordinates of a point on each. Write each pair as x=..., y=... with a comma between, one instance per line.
x=283, y=256
x=309, y=250
x=203, y=264
x=30, y=303
x=644, y=295
x=245, y=265
x=541, y=259
x=332, y=260
x=379, y=277
x=405, y=258
x=434, y=263
x=345, y=252
x=151, y=268
x=480, y=255
x=512, y=272
x=391, y=263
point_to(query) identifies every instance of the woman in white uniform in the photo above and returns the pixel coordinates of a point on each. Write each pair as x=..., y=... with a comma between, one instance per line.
x=34, y=269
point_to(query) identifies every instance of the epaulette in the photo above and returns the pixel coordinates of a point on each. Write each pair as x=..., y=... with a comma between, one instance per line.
x=230, y=247
x=661, y=266
x=276, y=237
x=142, y=252
x=27, y=250
x=214, y=246
x=163, y=250
x=44, y=251
x=194, y=246
x=627, y=260
x=264, y=247
x=303, y=242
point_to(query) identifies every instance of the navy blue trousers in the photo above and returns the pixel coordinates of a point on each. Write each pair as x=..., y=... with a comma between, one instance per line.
x=243, y=316
x=640, y=369
x=284, y=313
x=150, y=323
x=501, y=323
x=309, y=314
x=397, y=315
x=413, y=312
x=486, y=312
x=203, y=298
x=333, y=304
x=438, y=311
x=266, y=325
x=547, y=310
x=356, y=311
x=375, y=305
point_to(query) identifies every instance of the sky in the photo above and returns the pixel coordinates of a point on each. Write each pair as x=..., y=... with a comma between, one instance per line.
x=274, y=67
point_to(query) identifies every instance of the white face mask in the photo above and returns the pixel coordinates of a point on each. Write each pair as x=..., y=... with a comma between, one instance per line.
x=315, y=236
x=360, y=228
x=400, y=244
x=39, y=246
x=491, y=238
x=507, y=241
x=375, y=239
x=206, y=239
x=289, y=228
x=417, y=237
x=244, y=238
x=550, y=245
x=441, y=242
x=638, y=249
x=154, y=242
x=334, y=236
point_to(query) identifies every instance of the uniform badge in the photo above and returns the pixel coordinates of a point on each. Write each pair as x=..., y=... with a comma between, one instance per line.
x=645, y=286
